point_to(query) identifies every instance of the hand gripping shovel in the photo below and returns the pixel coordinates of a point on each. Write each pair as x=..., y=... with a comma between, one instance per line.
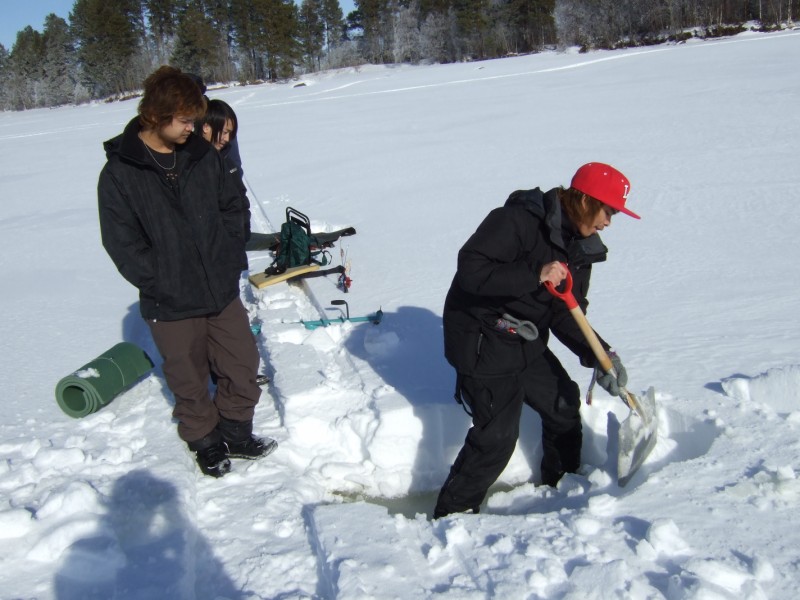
x=638, y=432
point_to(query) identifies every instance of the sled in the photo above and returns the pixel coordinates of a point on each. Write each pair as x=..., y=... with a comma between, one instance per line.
x=298, y=252
x=638, y=431
x=262, y=280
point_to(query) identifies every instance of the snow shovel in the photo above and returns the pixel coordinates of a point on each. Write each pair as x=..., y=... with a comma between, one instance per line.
x=638, y=431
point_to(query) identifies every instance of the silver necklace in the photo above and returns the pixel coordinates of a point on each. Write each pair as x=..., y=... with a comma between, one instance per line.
x=155, y=160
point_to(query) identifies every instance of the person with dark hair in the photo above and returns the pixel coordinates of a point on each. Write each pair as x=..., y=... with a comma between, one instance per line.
x=232, y=148
x=171, y=220
x=219, y=126
x=497, y=319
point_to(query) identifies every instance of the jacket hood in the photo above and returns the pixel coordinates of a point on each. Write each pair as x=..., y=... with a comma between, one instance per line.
x=124, y=143
x=544, y=206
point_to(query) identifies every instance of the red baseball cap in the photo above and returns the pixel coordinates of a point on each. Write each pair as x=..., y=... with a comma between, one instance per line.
x=604, y=183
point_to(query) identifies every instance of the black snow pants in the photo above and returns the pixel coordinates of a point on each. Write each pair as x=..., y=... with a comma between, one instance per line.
x=496, y=405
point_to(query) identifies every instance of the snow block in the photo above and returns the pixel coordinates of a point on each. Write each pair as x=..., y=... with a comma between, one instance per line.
x=364, y=554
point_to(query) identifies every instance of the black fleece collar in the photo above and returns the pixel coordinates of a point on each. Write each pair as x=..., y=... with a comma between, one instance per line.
x=129, y=146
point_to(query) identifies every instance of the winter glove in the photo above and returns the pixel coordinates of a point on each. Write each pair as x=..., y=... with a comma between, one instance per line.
x=607, y=381
x=524, y=329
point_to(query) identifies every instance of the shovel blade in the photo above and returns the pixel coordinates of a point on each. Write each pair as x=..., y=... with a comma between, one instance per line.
x=637, y=437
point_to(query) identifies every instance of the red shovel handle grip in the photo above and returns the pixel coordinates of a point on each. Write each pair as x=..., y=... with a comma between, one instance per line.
x=566, y=295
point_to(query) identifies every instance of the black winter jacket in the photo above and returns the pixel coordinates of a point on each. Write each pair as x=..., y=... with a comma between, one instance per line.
x=498, y=273
x=182, y=247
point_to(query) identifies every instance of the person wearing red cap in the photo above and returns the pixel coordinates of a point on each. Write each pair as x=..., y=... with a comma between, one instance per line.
x=498, y=317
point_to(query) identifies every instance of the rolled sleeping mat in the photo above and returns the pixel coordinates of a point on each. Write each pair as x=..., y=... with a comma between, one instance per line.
x=97, y=383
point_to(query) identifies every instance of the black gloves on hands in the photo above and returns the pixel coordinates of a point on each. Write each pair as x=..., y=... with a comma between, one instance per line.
x=607, y=381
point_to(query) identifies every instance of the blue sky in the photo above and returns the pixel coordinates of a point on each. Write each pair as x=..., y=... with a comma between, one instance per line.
x=15, y=15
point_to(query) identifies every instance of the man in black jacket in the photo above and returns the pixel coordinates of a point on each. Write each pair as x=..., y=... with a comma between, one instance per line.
x=171, y=219
x=497, y=319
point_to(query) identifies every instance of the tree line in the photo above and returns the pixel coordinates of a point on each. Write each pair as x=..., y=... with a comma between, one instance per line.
x=106, y=49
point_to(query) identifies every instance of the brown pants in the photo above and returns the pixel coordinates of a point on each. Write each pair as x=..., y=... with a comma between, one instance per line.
x=190, y=349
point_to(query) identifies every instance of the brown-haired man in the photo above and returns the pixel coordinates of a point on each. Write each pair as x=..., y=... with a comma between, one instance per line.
x=172, y=222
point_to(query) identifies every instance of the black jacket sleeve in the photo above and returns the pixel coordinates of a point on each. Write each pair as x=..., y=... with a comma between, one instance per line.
x=123, y=236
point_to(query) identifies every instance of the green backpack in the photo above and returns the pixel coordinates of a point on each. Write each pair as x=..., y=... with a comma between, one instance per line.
x=297, y=246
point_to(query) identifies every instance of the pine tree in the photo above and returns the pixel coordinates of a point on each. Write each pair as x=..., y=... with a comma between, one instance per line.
x=162, y=16
x=341, y=45
x=473, y=26
x=245, y=35
x=60, y=76
x=25, y=70
x=311, y=34
x=530, y=23
x=109, y=38
x=4, y=75
x=197, y=45
x=219, y=12
x=265, y=32
x=377, y=19
x=333, y=23
x=281, y=45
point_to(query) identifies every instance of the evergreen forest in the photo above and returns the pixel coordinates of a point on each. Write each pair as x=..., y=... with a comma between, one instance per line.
x=106, y=49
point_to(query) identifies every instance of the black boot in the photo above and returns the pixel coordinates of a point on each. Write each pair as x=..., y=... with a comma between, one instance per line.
x=240, y=442
x=440, y=512
x=447, y=503
x=211, y=454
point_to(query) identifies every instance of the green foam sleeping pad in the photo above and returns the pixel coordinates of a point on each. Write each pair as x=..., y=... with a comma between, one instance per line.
x=98, y=382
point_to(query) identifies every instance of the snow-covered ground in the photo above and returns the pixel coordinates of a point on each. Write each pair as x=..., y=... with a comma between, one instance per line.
x=700, y=299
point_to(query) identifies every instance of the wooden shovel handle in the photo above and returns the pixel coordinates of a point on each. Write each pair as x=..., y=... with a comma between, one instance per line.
x=602, y=356
x=591, y=337
x=569, y=299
